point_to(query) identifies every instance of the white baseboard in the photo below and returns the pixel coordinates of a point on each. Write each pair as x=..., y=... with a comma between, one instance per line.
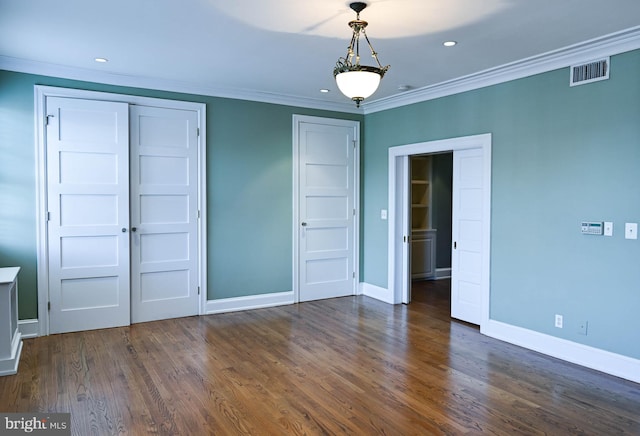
x=590, y=357
x=440, y=274
x=250, y=302
x=29, y=328
x=376, y=292
x=443, y=273
x=9, y=365
x=583, y=355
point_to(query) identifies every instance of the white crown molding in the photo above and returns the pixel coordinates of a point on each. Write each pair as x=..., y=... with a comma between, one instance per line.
x=608, y=45
x=88, y=75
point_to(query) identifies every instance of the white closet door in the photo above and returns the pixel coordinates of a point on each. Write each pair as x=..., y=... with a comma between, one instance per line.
x=88, y=205
x=467, y=253
x=164, y=213
x=326, y=209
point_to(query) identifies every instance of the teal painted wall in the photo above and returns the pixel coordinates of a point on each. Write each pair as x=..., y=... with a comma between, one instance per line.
x=249, y=187
x=560, y=155
x=17, y=188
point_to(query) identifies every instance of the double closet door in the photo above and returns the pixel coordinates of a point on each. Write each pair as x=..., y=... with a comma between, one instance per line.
x=122, y=200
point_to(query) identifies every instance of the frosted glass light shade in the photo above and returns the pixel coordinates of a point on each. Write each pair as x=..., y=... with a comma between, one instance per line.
x=358, y=84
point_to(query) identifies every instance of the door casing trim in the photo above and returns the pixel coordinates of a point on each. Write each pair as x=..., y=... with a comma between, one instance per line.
x=40, y=95
x=398, y=203
x=297, y=120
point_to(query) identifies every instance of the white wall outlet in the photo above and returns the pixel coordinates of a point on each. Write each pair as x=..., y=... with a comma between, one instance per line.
x=608, y=228
x=583, y=327
x=631, y=231
x=559, y=321
x=383, y=214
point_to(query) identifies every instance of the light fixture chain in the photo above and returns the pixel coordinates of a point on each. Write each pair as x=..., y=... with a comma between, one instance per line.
x=354, y=80
x=350, y=49
x=374, y=54
x=358, y=49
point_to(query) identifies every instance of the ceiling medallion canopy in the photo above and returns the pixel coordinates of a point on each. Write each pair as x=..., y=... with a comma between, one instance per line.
x=354, y=80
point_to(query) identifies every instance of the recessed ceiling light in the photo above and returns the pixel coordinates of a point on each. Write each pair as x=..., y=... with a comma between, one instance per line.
x=324, y=91
x=449, y=43
x=101, y=60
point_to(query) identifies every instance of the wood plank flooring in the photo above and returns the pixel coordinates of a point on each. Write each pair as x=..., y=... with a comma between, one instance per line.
x=342, y=366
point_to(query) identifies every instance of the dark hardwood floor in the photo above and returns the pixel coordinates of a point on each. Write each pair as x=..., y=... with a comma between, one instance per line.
x=342, y=366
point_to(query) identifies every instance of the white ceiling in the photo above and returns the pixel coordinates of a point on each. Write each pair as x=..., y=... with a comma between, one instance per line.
x=289, y=47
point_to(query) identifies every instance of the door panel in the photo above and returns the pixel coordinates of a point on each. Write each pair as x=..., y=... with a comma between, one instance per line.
x=326, y=183
x=466, y=274
x=164, y=212
x=87, y=198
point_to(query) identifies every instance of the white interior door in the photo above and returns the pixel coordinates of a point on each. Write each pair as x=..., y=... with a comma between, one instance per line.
x=467, y=229
x=164, y=213
x=326, y=208
x=403, y=172
x=88, y=210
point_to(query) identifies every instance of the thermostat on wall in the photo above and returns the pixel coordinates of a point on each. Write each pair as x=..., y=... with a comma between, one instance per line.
x=591, y=228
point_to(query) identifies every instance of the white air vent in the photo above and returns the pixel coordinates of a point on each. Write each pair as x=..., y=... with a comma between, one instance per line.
x=590, y=72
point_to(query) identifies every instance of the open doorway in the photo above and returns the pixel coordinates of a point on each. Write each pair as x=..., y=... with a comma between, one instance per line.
x=471, y=224
x=431, y=186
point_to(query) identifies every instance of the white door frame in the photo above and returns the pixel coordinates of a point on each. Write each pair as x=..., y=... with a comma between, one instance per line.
x=40, y=95
x=398, y=264
x=297, y=120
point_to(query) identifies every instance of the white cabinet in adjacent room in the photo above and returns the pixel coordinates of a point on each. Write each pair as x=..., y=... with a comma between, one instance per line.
x=423, y=254
x=420, y=192
x=423, y=237
x=10, y=338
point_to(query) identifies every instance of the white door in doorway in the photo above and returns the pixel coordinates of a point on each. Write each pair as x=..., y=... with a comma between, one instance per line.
x=326, y=156
x=467, y=229
x=88, y=214
x=164, y=213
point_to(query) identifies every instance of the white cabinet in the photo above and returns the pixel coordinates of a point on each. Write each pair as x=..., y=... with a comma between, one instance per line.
x=420, y=192
x=423, y=254
x=423, y=237
x=10, y=338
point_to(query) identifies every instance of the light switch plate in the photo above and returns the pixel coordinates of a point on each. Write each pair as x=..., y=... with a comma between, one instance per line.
x=631, y=231
x=608, y=228
x=383, y=214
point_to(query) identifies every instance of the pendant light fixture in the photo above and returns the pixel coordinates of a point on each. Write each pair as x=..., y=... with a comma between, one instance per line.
x=354, y=80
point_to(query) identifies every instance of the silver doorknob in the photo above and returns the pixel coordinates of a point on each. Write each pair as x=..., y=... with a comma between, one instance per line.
x=303, y=224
